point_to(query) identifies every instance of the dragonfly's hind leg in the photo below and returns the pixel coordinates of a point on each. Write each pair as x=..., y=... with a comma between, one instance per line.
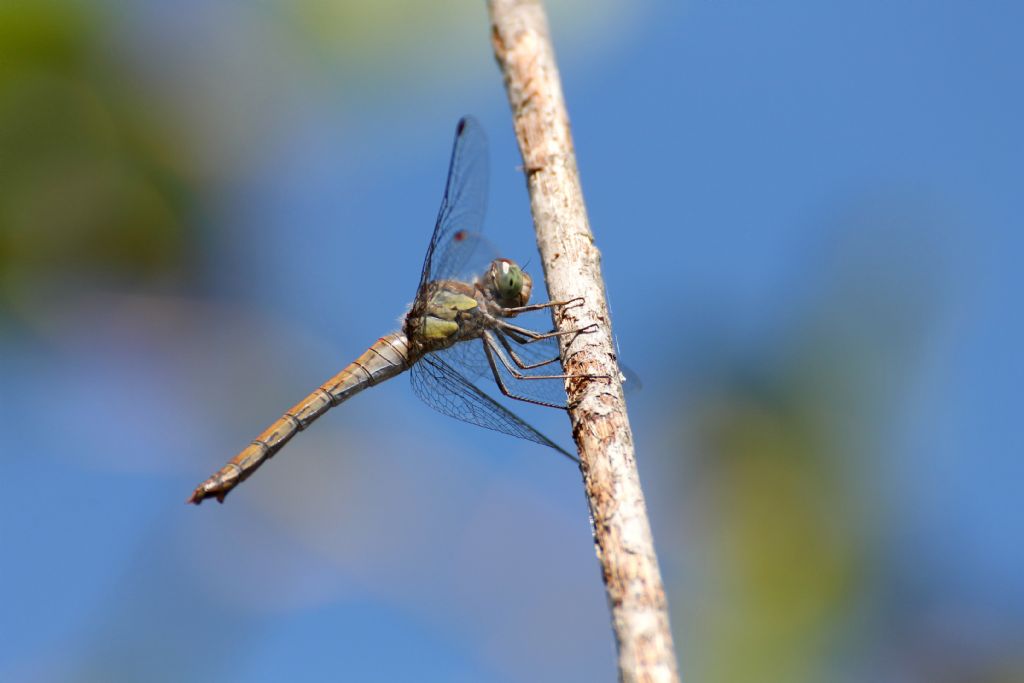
x=492, y=347
x=489, y=352
x=503, y=338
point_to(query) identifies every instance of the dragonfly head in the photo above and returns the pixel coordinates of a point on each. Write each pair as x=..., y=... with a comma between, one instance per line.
x=509, y=283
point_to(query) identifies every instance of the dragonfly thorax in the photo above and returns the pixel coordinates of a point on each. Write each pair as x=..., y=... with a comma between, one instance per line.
x=449, y=311
x=445, y=312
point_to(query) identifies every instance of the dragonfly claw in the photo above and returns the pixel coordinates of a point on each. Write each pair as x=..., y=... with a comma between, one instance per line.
x=570, y=303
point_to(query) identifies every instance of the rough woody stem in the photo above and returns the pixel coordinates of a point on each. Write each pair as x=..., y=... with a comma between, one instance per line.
x=572, y=267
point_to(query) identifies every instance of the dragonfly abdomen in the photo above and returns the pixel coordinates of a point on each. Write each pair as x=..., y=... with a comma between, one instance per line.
x=387, y=357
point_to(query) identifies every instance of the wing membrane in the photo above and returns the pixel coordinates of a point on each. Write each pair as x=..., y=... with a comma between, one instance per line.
x=445, y=390
x=469, y=358
x=465, y=194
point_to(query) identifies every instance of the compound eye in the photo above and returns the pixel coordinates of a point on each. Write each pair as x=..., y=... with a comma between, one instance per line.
x=508, y=280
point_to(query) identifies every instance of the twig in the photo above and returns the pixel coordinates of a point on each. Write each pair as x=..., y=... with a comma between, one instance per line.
x=572, y=268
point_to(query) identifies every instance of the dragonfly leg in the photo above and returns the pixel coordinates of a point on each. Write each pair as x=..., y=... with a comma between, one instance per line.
x=515, y=357
x=501, y=332
x=489, y=352
x=493, y=346
x=531, y=336
x=516, y=310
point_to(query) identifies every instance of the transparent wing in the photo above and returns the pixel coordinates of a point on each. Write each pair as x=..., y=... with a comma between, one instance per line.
x=445, y=390
x=465, y=194
x=468, y=357
x=463, y=257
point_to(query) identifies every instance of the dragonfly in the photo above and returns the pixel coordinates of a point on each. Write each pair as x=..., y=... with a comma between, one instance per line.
x=458, y=330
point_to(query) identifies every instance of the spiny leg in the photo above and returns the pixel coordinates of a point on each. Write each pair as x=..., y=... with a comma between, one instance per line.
x=515, y=357
x=520, y=339
x=519, y=362
x=516, y=310
x=530, y=336
x=493, y=347
x=501, y=383
x=523, y=341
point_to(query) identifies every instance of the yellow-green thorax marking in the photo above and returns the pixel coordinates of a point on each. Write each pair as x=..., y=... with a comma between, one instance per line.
x=454, y=311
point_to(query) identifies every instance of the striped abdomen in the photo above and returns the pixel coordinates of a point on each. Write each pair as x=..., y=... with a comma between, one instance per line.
x=388, y=357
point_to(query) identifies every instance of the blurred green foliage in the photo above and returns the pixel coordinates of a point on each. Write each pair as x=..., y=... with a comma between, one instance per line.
x=89, y=186
x=782, y=546
x=786, y=449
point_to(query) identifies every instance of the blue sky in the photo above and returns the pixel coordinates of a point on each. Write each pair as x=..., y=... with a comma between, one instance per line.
x=760, y=178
